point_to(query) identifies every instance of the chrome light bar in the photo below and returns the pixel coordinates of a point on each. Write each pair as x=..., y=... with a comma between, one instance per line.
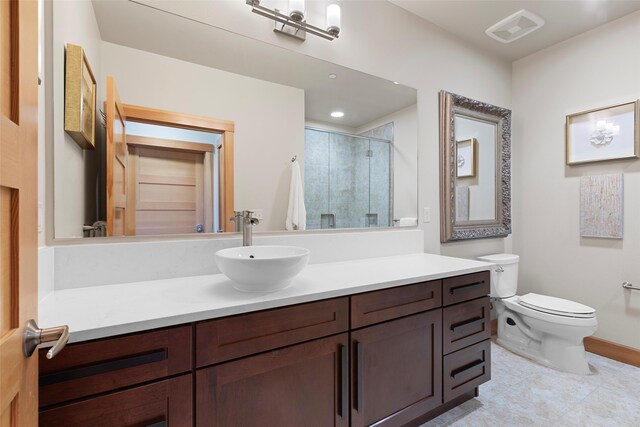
x=289, y=25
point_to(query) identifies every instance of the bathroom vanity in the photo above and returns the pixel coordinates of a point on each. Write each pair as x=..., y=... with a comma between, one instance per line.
x=406, y=341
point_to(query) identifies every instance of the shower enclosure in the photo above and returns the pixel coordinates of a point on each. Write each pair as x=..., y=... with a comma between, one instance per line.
x=348, y=180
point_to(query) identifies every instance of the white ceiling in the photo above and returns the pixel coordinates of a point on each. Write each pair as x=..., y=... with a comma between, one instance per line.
x=468, y=20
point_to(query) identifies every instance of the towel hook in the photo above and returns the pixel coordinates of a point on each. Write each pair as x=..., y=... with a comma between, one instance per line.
x=293, y=159
x=630, y=286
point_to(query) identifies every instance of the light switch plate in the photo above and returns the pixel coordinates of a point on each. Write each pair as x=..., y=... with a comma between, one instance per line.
x=426, y=215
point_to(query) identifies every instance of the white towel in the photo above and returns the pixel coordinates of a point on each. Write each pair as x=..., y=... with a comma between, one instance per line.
x=296, y=213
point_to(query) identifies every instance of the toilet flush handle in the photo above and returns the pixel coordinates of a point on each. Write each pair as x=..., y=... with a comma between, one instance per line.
x=499, y=269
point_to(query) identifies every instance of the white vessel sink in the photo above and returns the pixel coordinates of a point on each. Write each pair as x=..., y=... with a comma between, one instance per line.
x=262, y=268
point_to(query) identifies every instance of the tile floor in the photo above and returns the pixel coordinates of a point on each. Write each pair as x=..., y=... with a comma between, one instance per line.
x=524, y=393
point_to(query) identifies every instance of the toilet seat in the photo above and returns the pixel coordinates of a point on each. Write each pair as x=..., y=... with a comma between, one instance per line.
x=556, y=306
x=513, y=304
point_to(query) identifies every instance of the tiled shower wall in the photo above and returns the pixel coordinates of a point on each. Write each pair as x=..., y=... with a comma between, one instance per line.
x=348, y=177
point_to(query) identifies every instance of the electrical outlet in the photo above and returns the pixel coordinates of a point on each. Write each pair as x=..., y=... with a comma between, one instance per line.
x=257, y=214
x=426, y=215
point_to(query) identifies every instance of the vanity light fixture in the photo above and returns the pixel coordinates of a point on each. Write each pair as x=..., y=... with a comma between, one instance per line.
x=337, y=114
x=294, y=23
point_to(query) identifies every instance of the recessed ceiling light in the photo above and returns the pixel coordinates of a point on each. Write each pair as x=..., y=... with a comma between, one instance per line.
x=337, y=114
x=515, y=26
x=333, y=76
x=396, y=83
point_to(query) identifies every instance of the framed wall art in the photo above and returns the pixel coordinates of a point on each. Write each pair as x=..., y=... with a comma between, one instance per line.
x=601, y=206
x=79, y=98
x=466, y=158
x=603, y=134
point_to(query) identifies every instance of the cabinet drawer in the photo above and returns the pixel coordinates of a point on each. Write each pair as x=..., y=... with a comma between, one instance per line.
x=464, y=288
x=387, y=304
x=164, y=403
x=232, y=337
x=466, y=369
x=99, y=366
x=465, y=324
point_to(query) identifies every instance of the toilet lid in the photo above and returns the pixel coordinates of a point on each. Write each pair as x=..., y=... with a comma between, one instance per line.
x=557, y=306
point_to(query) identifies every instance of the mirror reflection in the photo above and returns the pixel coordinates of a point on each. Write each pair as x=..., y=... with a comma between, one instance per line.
x=475, y=169
x=185, y=137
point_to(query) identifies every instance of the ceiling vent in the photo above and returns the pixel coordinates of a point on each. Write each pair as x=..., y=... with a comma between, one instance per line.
x=515, y=26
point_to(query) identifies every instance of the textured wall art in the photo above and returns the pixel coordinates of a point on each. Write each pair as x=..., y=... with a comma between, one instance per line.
x=462, y=203
x=601, y=206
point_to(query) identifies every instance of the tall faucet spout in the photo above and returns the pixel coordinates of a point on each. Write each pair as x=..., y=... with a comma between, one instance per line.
x=247, y=227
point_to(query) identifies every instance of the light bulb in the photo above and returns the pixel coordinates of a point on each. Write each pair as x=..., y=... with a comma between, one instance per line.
x=296, y=10
x=333, y=19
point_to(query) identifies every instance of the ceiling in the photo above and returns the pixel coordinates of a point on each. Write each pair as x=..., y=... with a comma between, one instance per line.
x=468, y=20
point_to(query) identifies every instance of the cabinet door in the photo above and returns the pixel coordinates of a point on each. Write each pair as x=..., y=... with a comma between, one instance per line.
x=164, y=403
x=302, y=385
x=397, y=370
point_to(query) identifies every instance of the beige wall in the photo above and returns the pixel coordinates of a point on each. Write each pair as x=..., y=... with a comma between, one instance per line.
x=73, y=22
x=265, y=137
x=592, y=70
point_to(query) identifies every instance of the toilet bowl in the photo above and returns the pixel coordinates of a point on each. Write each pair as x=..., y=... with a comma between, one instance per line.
x=546, y=329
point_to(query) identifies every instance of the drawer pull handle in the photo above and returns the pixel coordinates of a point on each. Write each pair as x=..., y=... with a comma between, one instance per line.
x=465, y=368
x=359, y=362
x=101, y=368
x=344, y=381
x=467, y=324
x=466, y=288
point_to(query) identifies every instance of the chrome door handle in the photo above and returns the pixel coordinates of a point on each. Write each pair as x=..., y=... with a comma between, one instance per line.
x=34, y=336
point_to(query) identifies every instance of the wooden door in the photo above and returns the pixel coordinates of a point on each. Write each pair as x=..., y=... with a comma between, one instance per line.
x=117, y=224
x=396, y=369
x=171, y=186
x=303, y=385
x=18, y=208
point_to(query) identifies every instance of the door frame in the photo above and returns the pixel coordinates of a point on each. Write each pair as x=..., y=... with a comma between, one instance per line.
x=226, y=128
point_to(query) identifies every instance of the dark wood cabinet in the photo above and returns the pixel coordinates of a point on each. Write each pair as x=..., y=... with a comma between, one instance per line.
x=163, y=403
x=393, y=357
x=301, y=385
x=396, y=370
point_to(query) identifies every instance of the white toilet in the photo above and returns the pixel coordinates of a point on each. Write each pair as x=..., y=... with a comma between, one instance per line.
x=546, y=329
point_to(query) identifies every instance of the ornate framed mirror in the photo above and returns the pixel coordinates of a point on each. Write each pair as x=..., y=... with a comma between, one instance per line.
x=475, y=169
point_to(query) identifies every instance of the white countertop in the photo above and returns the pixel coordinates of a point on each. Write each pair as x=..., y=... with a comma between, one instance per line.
x=103, y=311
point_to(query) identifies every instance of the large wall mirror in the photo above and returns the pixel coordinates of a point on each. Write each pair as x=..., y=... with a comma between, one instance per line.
x=475, y=169
x=194, y=122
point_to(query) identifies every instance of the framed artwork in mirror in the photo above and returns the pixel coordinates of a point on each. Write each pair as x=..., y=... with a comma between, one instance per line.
x=603, y=134
x=79, y=98
x=466, y=158
x=475, y=169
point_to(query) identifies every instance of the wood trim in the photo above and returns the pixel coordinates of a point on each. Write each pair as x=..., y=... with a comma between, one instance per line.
x=132, y=190
x=228, y=198
x=611, y=350
x=209, y=226
x=494, y=326
x=169, y=144
x=170, y=118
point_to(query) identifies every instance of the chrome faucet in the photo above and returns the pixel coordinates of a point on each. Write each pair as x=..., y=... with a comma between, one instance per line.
x=245, y=220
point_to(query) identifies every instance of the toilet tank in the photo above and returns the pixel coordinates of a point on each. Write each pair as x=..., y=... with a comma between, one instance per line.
x=504, y=284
